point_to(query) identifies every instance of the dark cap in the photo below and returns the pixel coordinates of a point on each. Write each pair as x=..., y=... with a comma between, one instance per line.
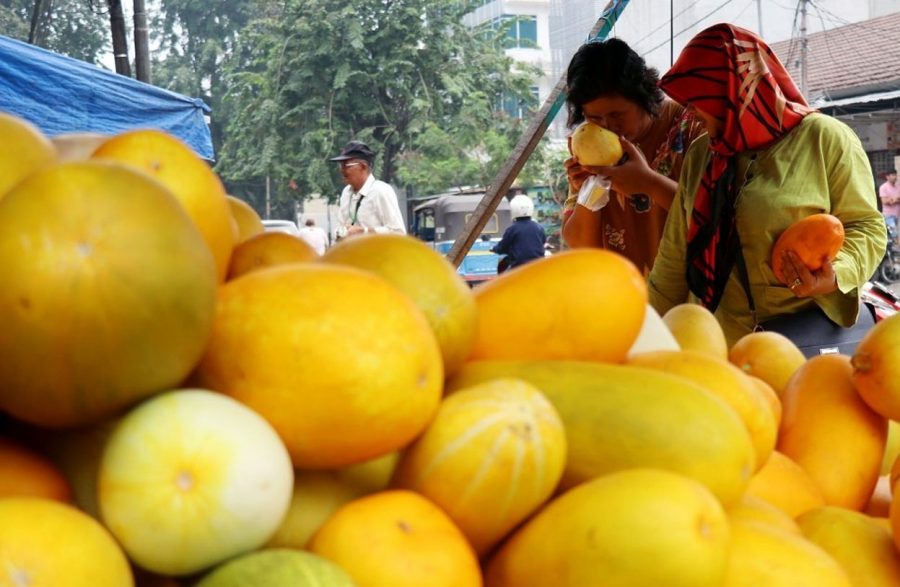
x=355, y=150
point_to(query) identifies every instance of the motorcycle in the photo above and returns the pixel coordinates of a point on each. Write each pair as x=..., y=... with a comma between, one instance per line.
x=889, y=270
x=883, y=302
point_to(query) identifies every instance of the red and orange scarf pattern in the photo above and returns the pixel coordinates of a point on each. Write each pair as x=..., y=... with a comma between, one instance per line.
x=732, y=75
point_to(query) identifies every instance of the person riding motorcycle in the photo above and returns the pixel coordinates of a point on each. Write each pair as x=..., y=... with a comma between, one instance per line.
x=524, y=239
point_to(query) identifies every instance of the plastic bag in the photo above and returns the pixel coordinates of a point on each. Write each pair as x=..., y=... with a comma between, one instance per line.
x=594, y=192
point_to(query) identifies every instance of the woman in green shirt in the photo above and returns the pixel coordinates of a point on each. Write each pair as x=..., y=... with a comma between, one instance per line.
x=767, y=161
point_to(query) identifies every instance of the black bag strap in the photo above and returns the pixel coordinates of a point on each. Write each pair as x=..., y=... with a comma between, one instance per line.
x=745, y=280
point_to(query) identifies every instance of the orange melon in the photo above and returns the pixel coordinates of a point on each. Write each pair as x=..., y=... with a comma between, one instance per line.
x=550, y=309
x=784, y=484
x=103, y=304
x=829, y=430
x=24, y=472
x=397, y=539
x=771, y=356
x=496, y=447
x=815, y=239
x=247, y=220
x=876, y=368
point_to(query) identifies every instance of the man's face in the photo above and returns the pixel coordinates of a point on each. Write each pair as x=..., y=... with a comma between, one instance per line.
x=892, y=178
x=354, y=172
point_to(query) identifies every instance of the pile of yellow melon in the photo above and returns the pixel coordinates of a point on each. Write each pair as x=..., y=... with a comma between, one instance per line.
x=187, y=400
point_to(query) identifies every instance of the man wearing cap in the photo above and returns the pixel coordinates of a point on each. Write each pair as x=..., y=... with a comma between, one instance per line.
x=367, y=205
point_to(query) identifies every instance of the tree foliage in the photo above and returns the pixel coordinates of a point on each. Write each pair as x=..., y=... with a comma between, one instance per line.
x=405, y=76
x=77, y=28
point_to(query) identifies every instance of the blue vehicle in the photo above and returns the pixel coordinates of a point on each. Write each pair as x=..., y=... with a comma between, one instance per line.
x=439, y=220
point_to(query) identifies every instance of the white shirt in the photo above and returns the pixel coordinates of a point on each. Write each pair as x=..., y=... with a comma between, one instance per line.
x=378, y=210
x=315, y=237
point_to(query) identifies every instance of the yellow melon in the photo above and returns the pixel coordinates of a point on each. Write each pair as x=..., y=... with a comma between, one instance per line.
x=268, y=249
x=771, y=356
x=397, y=539
x=496, y=447
x=191, y=180
x=594, y=145
x=785, y=484
x=696, y=328
x=543, y=309
x=278, y=568
x=727, y=382
x=430, y=281
x=248, y=221
x=621, y=417
x=44, y=543
x=755, y=509
x=318, y=494
x=830, y=431
x=341, y=362
x=23, y=151
x=637, y=527
x=102, y=305
x=862, y=546
x=764, y=555
x=876, y=368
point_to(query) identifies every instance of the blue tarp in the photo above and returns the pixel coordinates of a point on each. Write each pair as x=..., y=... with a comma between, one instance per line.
x=60, y=94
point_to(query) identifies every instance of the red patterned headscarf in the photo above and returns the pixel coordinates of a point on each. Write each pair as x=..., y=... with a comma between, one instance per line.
x=732, y=75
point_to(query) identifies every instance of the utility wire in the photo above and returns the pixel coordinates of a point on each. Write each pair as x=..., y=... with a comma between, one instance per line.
x=651, y=33
x=691, y=26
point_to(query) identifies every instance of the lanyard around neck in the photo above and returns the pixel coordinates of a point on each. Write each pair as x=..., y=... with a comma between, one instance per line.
x=355, y=214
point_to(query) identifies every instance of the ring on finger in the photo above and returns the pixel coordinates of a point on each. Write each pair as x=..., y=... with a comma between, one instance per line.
x=796, y=283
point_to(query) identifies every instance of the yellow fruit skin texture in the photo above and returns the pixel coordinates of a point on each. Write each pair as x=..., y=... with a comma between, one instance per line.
x=696, y=328
x=862, y=546
x=757, y=510
x=267, y=250
x=429, y=280
x=44, y=543
x=102, y=305
x=621, y=417
x=248, y=221
x=548, y=309
x=829, y=431
x=626, y=529
x=785, y=484
x=341, y=362
x=318, y=494
x=192, y=181
x=278, y=568
x=727, y=382
x=594, y=145
x=891, y=448
x=497, y=447
x=398, y=539
x=23, y=151
x=876, y=368
x=765, y=555
x=771, y=356
x=191, y=478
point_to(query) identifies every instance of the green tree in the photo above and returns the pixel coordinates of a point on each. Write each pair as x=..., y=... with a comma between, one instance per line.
x=193, y=40
x=77, y=28
x=406, y=76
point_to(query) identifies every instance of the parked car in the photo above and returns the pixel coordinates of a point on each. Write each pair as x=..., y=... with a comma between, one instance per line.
x=288, y=226
x=439, y=221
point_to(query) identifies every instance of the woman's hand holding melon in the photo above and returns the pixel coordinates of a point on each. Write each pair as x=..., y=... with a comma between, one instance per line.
x=802, y=255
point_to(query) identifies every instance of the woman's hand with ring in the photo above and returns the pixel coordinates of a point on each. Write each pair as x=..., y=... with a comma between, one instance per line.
x=805, y=283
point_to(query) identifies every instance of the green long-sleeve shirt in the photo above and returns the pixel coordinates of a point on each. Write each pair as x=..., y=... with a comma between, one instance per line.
x=820, y=166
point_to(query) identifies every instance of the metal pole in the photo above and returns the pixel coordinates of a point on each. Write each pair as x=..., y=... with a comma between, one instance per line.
x=120, y=45
x=804, y=47
x=141, y=43
x=526, y=145
x=268, y=197
x=671, y=33
x=759, y=19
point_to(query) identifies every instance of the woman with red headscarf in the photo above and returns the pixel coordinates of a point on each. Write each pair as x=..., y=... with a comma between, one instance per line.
x=767, y=161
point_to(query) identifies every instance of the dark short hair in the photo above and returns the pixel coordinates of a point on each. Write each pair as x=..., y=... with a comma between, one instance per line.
x=609, y=68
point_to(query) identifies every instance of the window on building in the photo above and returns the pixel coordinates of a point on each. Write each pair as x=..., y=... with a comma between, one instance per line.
x=517, y=106
x=521, y=30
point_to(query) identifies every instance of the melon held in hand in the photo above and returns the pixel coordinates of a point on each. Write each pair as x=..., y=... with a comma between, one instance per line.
x=594, y=145
x=814, y=239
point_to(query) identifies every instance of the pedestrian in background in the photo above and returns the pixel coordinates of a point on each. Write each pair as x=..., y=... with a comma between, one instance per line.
x=889, y=193
x=367, y=205
x=314, y=236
